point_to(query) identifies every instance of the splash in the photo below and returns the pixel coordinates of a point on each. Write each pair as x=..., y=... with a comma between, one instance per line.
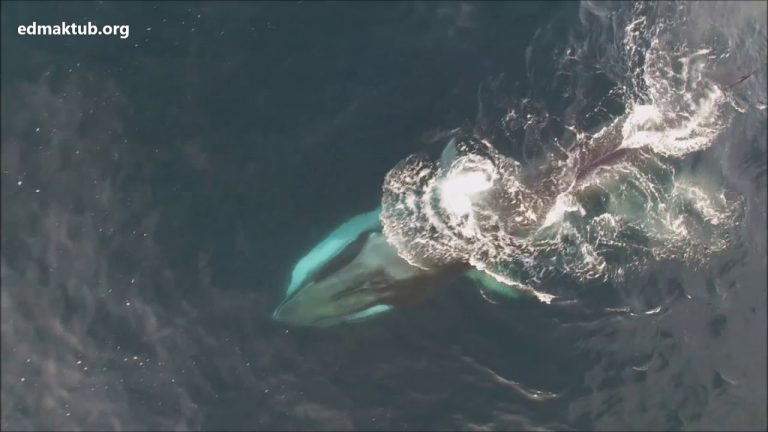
x=606, y=201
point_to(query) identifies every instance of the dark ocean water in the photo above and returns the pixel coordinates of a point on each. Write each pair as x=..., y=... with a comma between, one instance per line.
x=157, y=190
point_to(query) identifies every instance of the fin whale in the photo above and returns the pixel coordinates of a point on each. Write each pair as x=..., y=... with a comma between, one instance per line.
x=354, y=273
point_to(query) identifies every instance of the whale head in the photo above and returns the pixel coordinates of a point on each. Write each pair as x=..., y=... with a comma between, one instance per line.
x=353, y=274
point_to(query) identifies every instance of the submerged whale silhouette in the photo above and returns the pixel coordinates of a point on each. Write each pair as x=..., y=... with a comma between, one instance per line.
x=354, y=273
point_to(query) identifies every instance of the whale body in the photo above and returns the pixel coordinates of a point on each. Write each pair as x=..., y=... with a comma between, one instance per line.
x=353, y=274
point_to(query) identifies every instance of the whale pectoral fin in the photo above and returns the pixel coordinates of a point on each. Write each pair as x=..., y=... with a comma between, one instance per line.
x=487, y=281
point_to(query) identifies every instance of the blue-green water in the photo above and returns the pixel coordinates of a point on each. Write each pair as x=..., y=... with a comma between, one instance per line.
x=157, y=191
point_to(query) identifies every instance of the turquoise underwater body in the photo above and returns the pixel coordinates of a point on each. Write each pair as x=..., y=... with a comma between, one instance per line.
x=334, y=243
x=345, y=240
x=328, y=248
